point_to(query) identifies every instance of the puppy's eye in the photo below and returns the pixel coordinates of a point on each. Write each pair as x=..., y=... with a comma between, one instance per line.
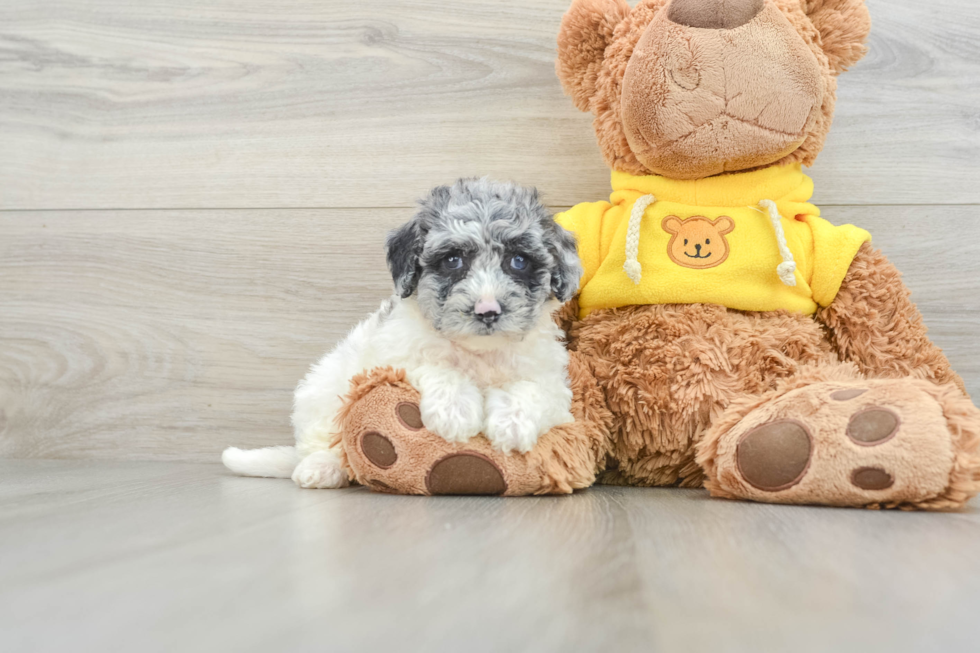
x=518, y=262
x=453, y=262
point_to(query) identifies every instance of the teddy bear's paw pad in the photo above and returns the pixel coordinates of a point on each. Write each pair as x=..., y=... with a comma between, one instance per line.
x=847, y=394
x=409, y=415
x=877, y=442
x=388, y=447
x=873, y=426
x=466, y=473
x=872, y=478
x=378, y=450
x=775, y=456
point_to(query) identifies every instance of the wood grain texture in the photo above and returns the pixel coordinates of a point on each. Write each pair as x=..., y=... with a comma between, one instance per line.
x=173, y=334
x=174, y=557
x=313, y=103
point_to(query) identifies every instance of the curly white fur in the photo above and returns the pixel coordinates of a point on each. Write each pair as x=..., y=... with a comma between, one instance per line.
x=513, y=389
x=502, y=372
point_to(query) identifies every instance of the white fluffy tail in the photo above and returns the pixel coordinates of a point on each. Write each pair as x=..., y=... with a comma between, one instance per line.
x=270, y=462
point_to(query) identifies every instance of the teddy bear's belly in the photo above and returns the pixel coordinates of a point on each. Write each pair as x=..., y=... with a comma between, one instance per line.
x=666, y=370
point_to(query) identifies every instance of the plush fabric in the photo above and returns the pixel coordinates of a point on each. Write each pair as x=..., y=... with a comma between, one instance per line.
x=853, y=405
x=698, y=102
x=388, y=450
x=928, y=462
x=832, y=31
x=736, y=260
x=830, y=391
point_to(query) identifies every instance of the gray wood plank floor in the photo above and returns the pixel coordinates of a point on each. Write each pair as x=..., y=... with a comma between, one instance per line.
x=100, y=556
x=323, y=103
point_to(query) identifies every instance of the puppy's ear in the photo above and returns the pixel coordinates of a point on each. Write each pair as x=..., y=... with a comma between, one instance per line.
x=567, y=268
x=843, y=27
x=586, y=30
x=403, y=249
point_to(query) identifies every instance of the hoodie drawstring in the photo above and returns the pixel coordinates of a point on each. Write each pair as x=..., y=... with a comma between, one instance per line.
x=786, y=269
x=632, y=265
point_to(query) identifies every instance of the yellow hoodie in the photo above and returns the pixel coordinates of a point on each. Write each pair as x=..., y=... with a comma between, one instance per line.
x=750, y=241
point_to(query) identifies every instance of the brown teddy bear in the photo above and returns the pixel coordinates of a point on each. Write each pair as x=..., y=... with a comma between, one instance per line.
x=725, y=334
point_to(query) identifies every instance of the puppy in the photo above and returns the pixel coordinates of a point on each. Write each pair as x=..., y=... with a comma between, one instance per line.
x=478, y=272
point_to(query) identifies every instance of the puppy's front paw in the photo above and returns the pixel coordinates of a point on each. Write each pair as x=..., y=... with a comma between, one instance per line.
x=454, y=412
x=320, y=470
x=511, y=425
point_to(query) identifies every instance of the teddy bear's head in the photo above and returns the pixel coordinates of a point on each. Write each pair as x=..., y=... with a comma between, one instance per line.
x=693, y=88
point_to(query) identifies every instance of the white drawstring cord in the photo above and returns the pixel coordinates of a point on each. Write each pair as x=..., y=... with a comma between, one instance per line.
x=786, y=269
x=632, y=265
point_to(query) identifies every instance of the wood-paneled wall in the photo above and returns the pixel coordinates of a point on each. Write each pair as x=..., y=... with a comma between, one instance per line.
x=193, y=195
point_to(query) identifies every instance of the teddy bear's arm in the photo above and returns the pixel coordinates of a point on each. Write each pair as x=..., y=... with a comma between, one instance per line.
x=567, y=317
x=874, y=324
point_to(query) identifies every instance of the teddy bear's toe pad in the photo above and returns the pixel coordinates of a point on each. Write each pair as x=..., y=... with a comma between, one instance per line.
x=378, y=450
x=881, y=442
x=775, y=456
x=873, y=426
x=872, y=478
x=465, y=473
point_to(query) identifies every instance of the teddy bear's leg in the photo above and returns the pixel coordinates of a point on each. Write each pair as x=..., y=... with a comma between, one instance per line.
x=668, y=371
x=831, y=437
x=387, y=448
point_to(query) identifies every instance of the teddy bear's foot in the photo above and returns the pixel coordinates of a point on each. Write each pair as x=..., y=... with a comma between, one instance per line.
x=877, y=443
x=387, y=448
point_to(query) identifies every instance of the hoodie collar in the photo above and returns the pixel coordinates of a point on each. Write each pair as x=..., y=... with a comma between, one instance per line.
x=777, y=183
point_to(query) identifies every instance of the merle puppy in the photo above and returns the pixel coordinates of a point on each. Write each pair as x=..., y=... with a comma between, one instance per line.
x=478, y=273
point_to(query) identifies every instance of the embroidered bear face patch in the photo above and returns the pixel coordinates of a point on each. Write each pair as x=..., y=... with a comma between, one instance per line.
x=698, y=242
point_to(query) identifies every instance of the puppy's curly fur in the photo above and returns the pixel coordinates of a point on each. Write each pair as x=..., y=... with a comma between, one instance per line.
x=478, y=273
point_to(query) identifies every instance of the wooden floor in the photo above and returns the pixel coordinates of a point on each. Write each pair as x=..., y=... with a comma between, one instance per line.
x=102, y=556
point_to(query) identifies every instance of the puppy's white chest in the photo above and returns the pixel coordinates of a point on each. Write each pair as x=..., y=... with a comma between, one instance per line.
x=487, y=369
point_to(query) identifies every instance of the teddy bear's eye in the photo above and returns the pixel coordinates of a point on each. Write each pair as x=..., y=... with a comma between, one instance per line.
x=685, y=241
x=707, y=241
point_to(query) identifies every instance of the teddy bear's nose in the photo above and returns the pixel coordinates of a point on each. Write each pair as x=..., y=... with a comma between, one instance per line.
x=713, y=14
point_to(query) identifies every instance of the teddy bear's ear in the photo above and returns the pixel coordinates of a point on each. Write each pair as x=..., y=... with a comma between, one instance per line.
x=843, y=27
x=724, y=225
x=671, y=224
x=586, y=30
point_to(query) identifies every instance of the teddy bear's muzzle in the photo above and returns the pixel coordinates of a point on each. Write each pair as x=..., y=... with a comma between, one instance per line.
x=714, y=14
x=709, y=98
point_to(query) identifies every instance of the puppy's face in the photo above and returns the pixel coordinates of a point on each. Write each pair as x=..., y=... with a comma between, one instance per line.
x=483, y=258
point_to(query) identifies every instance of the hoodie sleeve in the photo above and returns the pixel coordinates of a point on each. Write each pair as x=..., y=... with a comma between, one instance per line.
x=585, y=221
x=834, y=248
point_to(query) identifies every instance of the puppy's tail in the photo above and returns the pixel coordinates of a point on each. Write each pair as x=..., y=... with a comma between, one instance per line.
x=270, y=462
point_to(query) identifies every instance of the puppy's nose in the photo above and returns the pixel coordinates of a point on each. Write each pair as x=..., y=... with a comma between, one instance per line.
x=487, y=310
x=714, y=14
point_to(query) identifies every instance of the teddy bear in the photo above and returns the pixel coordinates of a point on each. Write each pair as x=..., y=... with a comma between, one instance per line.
x=725, y=334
